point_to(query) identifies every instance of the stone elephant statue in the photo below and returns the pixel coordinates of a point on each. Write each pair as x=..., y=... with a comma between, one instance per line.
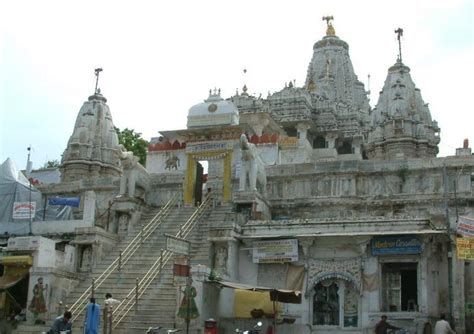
x=252, y=169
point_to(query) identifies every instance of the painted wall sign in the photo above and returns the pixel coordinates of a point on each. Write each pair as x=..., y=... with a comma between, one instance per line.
x=275, y=251
x=465, y=248
x=208, y=146
x=405, y=244
x=24, y=210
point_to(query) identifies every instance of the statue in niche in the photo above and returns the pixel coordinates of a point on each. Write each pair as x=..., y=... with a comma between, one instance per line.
x=123, y=224
x=252, y=167
x=220, y=258
x=86, y=259
x=172, y=163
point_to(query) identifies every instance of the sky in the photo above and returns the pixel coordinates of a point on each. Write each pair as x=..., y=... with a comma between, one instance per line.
x=159, y=58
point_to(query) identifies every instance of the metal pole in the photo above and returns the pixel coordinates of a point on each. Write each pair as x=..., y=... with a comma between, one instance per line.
x=29, y=205
x=187, y=296
x=105, y=318
x=449, y=250
x=161, y=259
x=93, y=287
x=136, y=294
x=120, y=261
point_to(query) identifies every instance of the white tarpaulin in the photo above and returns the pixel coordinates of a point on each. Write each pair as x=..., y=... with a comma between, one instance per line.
x=15, y=188
x=15, y=205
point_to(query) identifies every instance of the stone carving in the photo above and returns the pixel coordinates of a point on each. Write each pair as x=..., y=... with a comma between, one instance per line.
x=220, y=259
x=172, y=163
x=86, y=259
x=127, y=183
x=346, y=269
x=133, y=174
x=252, y=166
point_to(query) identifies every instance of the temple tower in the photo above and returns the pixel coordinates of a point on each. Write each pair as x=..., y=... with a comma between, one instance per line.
x=92, y=150
x=401, y=121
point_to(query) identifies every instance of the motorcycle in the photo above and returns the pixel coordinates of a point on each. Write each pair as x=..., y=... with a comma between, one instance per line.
x=254, y=330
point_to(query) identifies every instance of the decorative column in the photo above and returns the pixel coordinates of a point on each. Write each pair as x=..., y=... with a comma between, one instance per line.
x=190, y=180
x=227, y=177
x=302, y=133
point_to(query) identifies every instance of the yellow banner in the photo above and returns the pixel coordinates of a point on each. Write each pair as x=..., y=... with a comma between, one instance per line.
x=465, y=248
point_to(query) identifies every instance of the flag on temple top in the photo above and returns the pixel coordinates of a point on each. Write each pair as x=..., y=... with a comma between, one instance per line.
x=466, y=226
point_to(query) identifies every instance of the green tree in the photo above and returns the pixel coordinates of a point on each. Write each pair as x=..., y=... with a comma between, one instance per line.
x=51, y=164
x=133, y=141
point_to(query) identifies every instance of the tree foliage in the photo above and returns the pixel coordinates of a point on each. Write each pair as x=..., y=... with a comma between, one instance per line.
x=133, y=141
x=51, y=164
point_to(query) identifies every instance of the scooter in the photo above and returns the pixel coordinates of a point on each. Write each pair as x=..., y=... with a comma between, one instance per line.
x=254, y=330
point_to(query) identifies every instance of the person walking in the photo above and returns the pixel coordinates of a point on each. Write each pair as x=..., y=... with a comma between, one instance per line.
x=382, y=326
x=442, y=326
x=92, y=320
x=61, y=324
x=111, y=301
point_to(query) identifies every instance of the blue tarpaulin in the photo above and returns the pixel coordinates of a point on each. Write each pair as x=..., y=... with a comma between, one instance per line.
x=70, y=201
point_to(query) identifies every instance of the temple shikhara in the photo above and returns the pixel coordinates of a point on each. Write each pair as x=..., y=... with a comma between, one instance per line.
x=309, y=210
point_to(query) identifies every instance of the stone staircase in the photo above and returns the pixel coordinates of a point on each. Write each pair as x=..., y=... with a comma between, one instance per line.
x=159, y=303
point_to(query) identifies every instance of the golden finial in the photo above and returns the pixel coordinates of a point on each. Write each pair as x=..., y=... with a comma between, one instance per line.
x=330, y=29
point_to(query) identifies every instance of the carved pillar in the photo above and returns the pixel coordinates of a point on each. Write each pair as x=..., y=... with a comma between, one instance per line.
x=227, y=177
x=331, y=139
x=302, y=132
x=232, y=259
x=89, y=207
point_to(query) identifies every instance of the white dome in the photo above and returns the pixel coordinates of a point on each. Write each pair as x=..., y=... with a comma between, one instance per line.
x=213, y=111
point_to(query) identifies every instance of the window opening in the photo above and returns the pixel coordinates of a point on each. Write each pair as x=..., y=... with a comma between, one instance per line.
x=400, y=286
x=326, y=303
x=320, y=142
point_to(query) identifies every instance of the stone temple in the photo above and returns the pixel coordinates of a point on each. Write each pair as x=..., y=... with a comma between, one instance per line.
x=307, y=210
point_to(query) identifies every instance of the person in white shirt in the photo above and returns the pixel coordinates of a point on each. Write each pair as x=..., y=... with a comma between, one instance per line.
x=110, y=301
x=443, y=327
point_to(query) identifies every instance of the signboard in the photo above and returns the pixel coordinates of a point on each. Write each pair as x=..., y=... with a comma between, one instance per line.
x=465, y=248
x=24, y=210
x=275, y=251
x=466, y=226
x=177, y=245
x=209, y=147
x=396, y=245
x=71, y=201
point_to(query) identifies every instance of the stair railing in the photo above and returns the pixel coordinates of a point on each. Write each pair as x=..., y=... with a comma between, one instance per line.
x=131, y=300
x=125, y=254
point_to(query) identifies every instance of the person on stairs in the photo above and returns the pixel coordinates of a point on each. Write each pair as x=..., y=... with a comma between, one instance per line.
x=62, y=324
x=92, y=321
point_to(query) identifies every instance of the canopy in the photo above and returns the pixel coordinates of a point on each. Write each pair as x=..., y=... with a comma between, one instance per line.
x=16, y=268
x=280, y=295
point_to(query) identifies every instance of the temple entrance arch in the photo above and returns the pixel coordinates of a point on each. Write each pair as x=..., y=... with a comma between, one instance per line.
x=219, y=156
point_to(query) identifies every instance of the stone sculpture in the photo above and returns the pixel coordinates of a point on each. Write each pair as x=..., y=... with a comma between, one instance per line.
x=172, y=162
x=128, y=180
x=252, y=166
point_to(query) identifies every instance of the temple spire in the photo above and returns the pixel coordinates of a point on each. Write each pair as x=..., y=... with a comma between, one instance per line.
x=330, y=31
x=97, y=72
x=399, y=33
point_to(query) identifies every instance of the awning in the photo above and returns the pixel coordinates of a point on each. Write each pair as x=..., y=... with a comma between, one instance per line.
x=12, y=277
x=343, y=234
x=280, y=295
x=17, y=260
x=16, y=268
